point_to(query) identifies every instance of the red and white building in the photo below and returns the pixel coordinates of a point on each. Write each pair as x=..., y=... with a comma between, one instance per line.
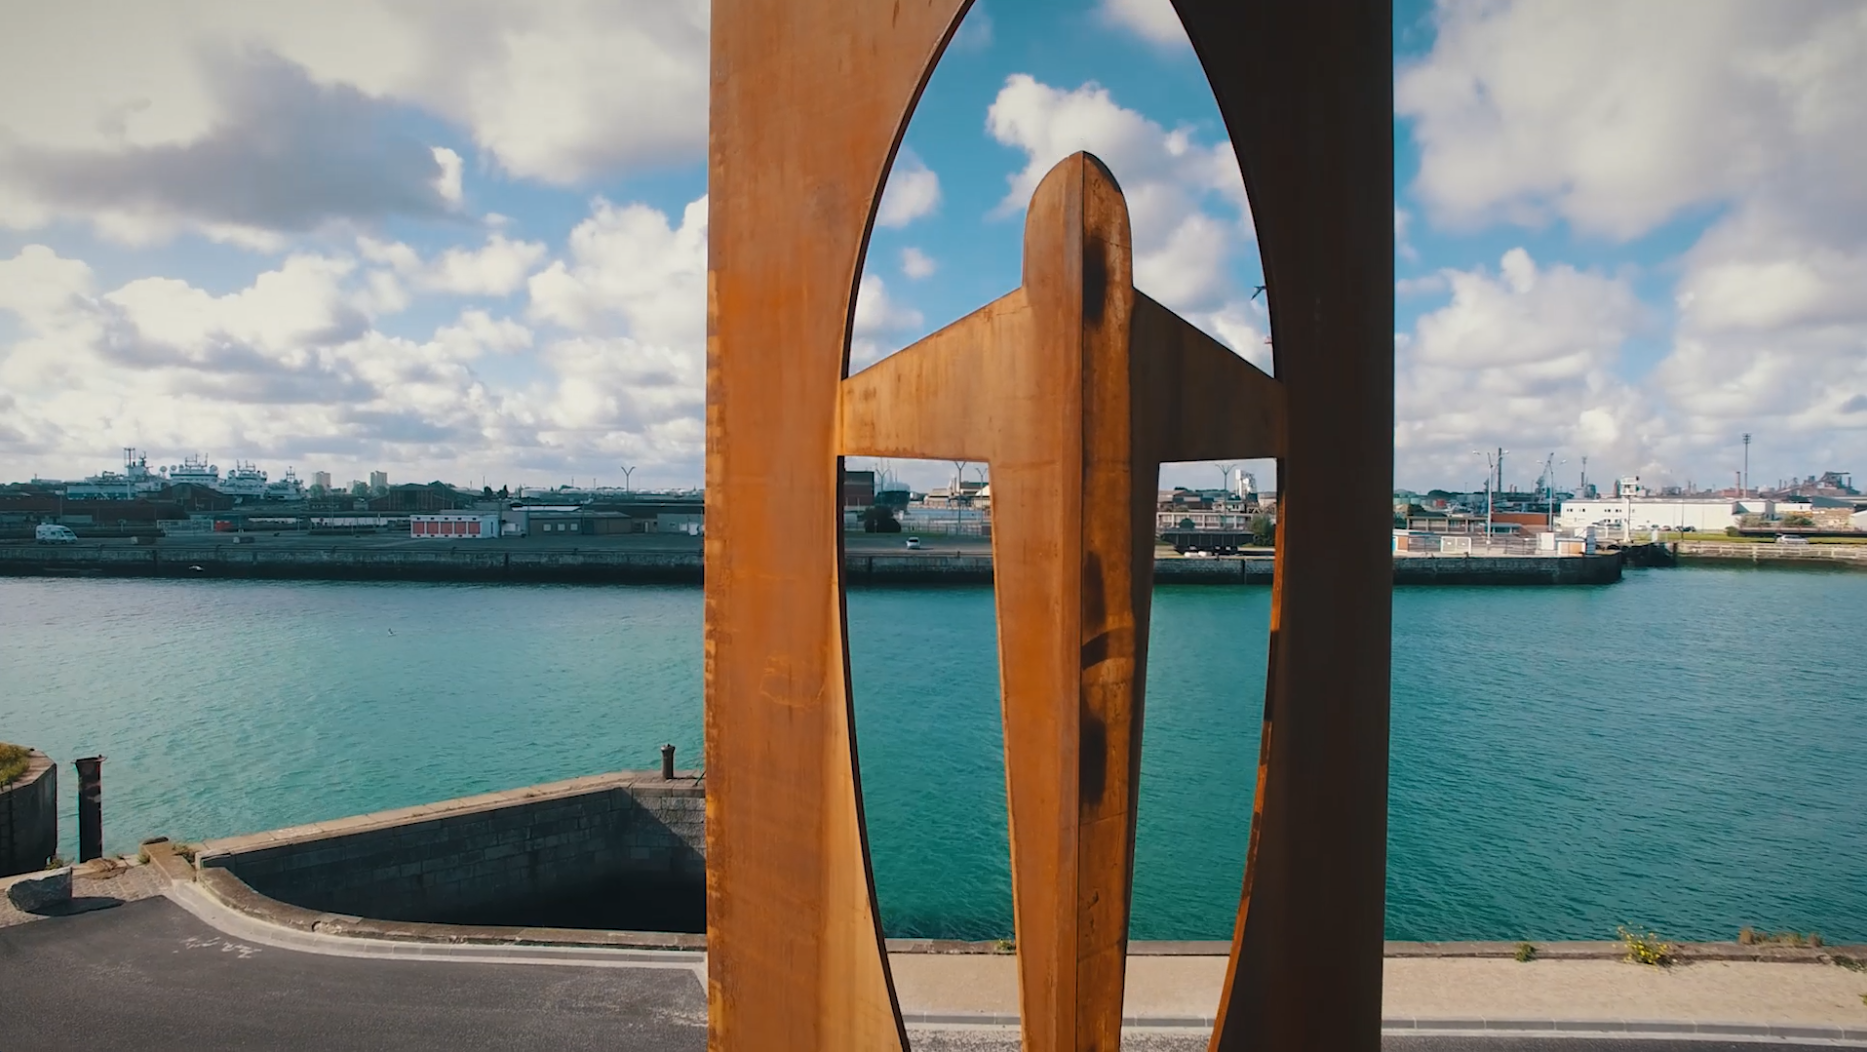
x=454, y=525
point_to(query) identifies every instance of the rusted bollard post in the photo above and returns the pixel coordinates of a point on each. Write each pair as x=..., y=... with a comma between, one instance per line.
x=667, y=761
x=90, y=807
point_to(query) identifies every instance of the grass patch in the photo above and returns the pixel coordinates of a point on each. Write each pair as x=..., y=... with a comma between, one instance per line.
x=14, y=759
x=1852, y=964
x=1748, y=936
x=1648, y=949
x=1525, y=953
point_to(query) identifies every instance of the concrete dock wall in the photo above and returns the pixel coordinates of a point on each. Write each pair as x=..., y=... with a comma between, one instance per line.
x=341, y=562
x=1845, y=555
x=462, y=858
x=611, y=566
x=1514, y=570
x=29, y=818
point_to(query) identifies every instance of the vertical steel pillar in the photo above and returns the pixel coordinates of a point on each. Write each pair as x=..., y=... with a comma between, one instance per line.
x=90, y=807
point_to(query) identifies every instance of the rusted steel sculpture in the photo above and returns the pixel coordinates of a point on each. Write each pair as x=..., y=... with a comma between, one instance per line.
x=1075, y=387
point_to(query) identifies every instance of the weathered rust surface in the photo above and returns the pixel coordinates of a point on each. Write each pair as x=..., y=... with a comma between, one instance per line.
x=1306, y=91
x=1075, y=388
x=809, y=99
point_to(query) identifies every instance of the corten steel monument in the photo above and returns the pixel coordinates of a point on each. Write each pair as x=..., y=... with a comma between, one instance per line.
x=1075, y=387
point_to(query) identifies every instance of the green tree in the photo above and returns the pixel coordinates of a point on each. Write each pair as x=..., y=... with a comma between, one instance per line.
x=1796, y=518
x=1264, y=531
x=880, y=519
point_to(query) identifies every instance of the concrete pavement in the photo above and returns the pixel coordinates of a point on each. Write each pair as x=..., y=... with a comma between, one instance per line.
x=152, y=975
x=1744, y=995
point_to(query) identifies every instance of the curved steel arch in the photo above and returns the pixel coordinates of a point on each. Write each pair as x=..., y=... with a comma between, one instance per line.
x=809, y=102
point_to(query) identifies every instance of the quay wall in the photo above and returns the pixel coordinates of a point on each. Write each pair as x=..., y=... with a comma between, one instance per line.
x=29, y=818
x=1845, y=555
x=611, y=834
x=348, y=562
x=612, y=566
x=1515, y=569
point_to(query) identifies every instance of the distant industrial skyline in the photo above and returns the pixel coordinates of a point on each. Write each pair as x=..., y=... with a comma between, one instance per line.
x=922, y=475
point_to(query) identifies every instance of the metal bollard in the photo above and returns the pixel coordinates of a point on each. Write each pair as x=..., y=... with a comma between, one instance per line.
x=90, y=807
x=667, y=761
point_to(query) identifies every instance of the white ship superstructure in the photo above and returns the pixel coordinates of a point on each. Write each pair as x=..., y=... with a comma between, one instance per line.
x=136, y=480
x=245, y=481
x=286, y=488
x=194, y=471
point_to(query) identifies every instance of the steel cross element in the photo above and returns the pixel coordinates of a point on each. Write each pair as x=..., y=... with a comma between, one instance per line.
x=1075, y=387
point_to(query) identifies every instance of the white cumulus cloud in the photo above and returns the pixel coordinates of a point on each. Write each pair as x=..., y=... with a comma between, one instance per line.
x=880, y=318
x=497, y=268
x=630, y=269
x=1618, y=119
x=241, y=120
x=1186, y=200
x=913, y=191
x=1526, y=356
x=917, y=264
x=1155, y=20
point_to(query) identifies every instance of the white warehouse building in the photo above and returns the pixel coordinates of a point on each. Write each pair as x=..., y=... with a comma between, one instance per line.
x=1700, y=514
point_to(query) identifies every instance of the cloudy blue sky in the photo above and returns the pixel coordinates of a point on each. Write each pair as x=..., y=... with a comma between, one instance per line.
x=467, y=239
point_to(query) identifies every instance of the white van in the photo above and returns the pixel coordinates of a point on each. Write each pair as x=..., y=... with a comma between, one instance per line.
x=50, y=534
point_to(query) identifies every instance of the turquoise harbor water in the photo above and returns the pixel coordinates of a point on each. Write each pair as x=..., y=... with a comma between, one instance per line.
x=1686, y=750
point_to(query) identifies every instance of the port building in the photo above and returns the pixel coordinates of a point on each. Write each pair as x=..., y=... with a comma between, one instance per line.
x=1626, y=513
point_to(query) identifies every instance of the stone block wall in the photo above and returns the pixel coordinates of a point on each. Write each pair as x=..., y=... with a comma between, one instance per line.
x=486, y=855
x=29, y=818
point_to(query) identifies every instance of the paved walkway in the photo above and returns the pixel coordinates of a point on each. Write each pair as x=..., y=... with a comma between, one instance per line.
x=158, y=975
x=1738, y=993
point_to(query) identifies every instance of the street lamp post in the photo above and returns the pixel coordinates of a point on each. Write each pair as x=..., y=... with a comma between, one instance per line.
x=1494, y=463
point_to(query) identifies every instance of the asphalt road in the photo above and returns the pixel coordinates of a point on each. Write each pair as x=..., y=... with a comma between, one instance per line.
x=148, y=975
